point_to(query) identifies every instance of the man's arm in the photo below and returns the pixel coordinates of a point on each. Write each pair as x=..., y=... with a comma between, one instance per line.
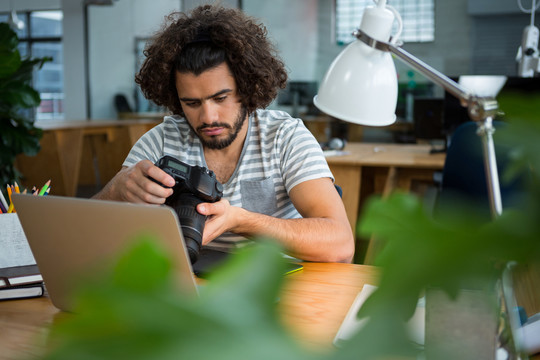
x=323, y=234
x=133, y=184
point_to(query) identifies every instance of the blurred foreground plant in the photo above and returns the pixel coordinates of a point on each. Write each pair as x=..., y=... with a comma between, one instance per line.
x=136, y=313
x=457, y=250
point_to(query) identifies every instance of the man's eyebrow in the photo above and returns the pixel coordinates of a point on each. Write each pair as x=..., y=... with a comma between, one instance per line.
x=224, y=91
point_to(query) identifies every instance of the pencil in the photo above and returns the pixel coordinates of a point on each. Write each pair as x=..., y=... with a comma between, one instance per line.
x=9, y=193
x=16, y=188
x=3, y=201
x=44, y=188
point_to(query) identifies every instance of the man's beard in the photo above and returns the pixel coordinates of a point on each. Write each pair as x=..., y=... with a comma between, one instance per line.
x=217, y=144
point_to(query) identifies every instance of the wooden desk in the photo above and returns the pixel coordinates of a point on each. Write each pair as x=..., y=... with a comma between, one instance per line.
x=313, y=304
x=80, y=152
x=374, y=168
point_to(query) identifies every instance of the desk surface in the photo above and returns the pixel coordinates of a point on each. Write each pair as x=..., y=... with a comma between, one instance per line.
x=85, y=124
x=379, y=168
x=313, y=304
x=388, y=155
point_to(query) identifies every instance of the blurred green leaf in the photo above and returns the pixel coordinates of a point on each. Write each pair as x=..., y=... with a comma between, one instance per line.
x=17, y=132
x=10, y=61
x=137, y=312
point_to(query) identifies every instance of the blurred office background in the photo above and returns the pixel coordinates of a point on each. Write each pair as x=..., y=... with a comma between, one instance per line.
x=97, y=46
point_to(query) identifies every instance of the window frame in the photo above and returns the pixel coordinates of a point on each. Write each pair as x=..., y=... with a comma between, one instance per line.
x=405, y=36
x=28, y=40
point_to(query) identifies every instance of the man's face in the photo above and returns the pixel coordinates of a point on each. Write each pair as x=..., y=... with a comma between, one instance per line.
x=211, y=105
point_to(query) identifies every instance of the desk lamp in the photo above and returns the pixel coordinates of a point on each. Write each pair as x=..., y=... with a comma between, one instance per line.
x=361, y=86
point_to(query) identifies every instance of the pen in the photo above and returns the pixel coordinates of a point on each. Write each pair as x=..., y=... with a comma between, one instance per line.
x=44, y=188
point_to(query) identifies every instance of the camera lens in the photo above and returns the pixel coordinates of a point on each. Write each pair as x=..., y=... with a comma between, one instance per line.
x=191, y=222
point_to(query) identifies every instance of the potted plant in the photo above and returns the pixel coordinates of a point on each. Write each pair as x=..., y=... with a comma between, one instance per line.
x=17, y=131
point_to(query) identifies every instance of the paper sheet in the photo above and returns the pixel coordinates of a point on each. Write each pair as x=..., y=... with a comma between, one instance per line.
x=351, y=325
x=14, y=248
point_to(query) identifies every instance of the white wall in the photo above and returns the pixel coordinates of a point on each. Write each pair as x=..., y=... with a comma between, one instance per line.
x=112, y=33
x=5, y=5
x=292, y=26
x=75, y=94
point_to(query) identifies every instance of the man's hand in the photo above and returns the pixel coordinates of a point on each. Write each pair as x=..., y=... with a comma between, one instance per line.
x=133, y=184
x=322, y=234
x=220, y=219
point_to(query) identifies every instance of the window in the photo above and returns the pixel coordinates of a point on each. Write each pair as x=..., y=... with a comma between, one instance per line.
x=418, y=19
x=142, y=104
x=40, y=37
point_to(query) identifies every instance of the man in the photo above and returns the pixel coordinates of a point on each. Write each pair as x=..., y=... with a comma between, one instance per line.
x=215, y=70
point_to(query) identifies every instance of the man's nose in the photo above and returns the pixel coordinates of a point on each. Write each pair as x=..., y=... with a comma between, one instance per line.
x=209, y=112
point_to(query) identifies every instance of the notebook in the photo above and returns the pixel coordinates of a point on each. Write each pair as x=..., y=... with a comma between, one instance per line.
x=71, y=238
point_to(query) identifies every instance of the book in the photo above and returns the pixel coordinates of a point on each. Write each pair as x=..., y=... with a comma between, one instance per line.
x=22, y=291
x=19, y=275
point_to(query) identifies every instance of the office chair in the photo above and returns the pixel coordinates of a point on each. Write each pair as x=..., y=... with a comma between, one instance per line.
x=121, y=104
x=464, y=177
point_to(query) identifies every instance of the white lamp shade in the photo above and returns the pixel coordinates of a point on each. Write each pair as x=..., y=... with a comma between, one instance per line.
x=360, y=87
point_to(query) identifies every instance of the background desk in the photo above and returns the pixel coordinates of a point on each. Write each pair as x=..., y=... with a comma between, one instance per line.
x=81, y=152
x=372, y=168
x=313, y=304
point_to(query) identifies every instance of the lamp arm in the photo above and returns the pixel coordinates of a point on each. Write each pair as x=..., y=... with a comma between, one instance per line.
x=481, y=109
x=434, y=75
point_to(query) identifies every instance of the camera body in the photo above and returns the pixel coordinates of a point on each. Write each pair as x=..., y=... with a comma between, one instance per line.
x=194, y=185
x=196, y=180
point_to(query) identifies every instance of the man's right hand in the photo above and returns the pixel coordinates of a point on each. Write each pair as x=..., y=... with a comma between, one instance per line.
x=134, y=184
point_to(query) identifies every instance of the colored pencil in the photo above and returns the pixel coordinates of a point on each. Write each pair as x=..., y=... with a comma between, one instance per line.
x=9, y=192
x=3, y=201
x=44, y=188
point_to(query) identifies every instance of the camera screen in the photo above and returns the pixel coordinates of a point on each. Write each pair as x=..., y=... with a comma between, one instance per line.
x=177, y=166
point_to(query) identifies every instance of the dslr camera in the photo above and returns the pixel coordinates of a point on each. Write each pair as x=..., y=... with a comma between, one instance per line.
x=194, y=185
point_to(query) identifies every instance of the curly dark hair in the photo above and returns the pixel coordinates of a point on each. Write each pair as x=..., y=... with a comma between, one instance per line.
x=205, y=38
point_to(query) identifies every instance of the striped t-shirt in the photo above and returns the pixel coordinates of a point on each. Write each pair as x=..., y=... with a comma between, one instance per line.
x=279, y=153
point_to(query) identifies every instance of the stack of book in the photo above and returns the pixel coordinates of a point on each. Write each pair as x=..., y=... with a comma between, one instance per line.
x=19, y=275
x=20, y=282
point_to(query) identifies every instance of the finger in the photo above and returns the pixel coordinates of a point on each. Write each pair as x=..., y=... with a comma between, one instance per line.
x=159, y=175
x=140, y=188
x=137, y=193
x=208, y=209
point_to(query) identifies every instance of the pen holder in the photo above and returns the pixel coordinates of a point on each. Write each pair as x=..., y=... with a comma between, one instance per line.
x=15, y=248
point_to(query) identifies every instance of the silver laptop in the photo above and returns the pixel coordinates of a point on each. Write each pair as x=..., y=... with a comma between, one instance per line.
x=71, y=238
